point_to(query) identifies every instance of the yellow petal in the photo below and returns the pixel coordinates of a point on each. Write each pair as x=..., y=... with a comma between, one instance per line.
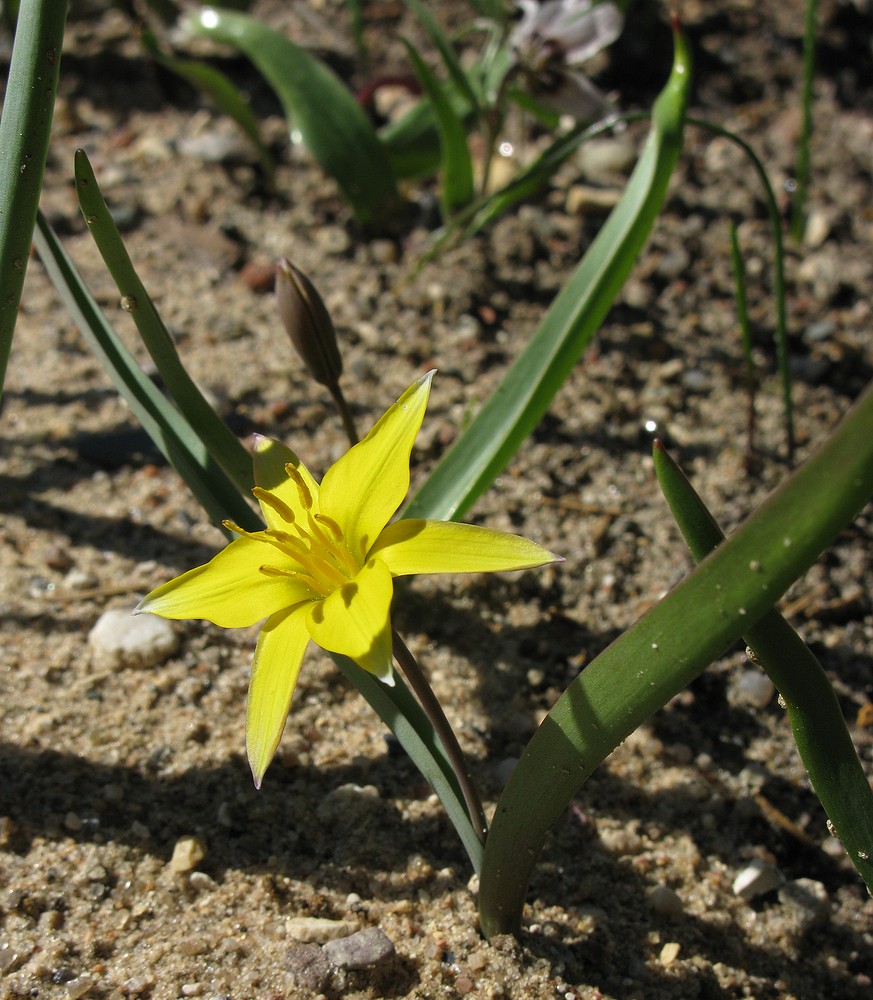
x=354, y=620
x=229, y=590
x=417, y=546
x=367, y=485
x=275, y=670
x=270, y=459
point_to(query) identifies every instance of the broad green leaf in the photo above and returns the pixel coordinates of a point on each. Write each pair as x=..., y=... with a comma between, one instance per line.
x=330, y=120
x=524, y=395
x=25, y=128
x=731, y=590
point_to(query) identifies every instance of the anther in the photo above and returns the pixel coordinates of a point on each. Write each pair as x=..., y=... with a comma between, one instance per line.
x=274, y=503
x=302, y=488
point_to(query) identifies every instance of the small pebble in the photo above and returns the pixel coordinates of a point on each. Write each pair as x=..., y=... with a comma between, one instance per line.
x=119, y=640
x=368, y=947
x=756, y=879
x=309, y=930
x=79, y=986
x=755, y=688
x=187, y=854
x=583, y=199
x=665, y=901
x=669, y=953
x=308, y=967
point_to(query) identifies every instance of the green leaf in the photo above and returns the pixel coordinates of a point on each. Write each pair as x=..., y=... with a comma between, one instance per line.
x=403, y=715
x=331, y=122
x=225, y=94
x=217, y=438
x=412, y=143
x=25, y=128
x=166, y=427
x=816, y=719
x=729, y=592
x=456, y=173
x=528, y=388
x=450, y=60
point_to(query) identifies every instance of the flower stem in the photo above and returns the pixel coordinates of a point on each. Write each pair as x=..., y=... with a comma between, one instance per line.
x=344, y=412
x=434, y=711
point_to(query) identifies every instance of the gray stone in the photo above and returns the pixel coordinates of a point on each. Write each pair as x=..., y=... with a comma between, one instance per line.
x=308, y=967
x=370, y=946
x=665, y=901
x=806, y=902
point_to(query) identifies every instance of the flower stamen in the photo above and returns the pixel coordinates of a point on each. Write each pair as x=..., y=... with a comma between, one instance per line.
x=300, y=483
x=274, y=503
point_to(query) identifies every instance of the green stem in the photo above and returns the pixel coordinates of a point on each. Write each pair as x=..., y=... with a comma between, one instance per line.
x=434, y=711
x=798, y=208
x=344, y=412
x=25, y=128
x=778, y=275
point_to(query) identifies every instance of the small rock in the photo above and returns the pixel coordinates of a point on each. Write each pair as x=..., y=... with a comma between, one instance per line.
x=818, y=228
x=755, y=688
x=368, y=947
x=317, y=929
x=120, y=639
x=201, y=881
x=187, y=854
x=79, y=986
x=584, y=199
x=605, y=157
x=807, y=902
x=756, y=879
x=79, y=579
x=669, y=953
x=665, y=901
x=309, y=968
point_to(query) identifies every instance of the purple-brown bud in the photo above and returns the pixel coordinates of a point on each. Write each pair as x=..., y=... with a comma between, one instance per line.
x=308, y=323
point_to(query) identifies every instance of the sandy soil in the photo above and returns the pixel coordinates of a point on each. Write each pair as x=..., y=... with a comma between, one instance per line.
x=105, y=769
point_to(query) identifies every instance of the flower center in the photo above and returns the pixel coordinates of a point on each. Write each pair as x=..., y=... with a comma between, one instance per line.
x=317, y=549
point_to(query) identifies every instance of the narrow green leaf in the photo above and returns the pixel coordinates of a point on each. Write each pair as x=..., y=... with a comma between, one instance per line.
x=731, y=590
x=816, y=719
x=217, y=438
x=524, y=395
x=779, y=293
x=403, y=715
x=25, y=128
x=444, y=46
x=331, y=122
x=225, y=94
x=412, y=143
x=166, y=427
x=456, y=165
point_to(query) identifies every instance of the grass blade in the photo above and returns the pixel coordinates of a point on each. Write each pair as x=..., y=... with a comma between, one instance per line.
x=456, y=164
x=331, y=122
x=217, y=438
x=520, y=401
x=816, y=719
x=166, y=427
x=731, y=590
x=25, y=128
x=225, y=94
x=450, y=60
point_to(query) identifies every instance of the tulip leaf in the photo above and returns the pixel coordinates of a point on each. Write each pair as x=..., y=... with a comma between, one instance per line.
x=331, y=122
x=814, y=713
x=25, y=128
x=170, y=431
x=218, y=439
x=456, y=173
x=731, y=591
x=527, y=389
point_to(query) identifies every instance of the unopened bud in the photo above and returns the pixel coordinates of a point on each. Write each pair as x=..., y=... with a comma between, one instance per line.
x=308, y=323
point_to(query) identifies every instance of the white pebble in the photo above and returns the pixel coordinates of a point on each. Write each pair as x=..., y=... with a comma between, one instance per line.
x=756, y=879
x=120, y=640
x=808, y=900
x=755, y=688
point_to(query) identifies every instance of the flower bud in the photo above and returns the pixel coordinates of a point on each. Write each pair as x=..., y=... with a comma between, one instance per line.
x=308, y=323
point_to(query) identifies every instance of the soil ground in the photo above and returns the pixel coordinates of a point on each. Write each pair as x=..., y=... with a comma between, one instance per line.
x=105, y=770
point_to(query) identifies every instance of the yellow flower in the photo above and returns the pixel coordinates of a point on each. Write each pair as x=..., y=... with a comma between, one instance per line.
x=323, y=567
